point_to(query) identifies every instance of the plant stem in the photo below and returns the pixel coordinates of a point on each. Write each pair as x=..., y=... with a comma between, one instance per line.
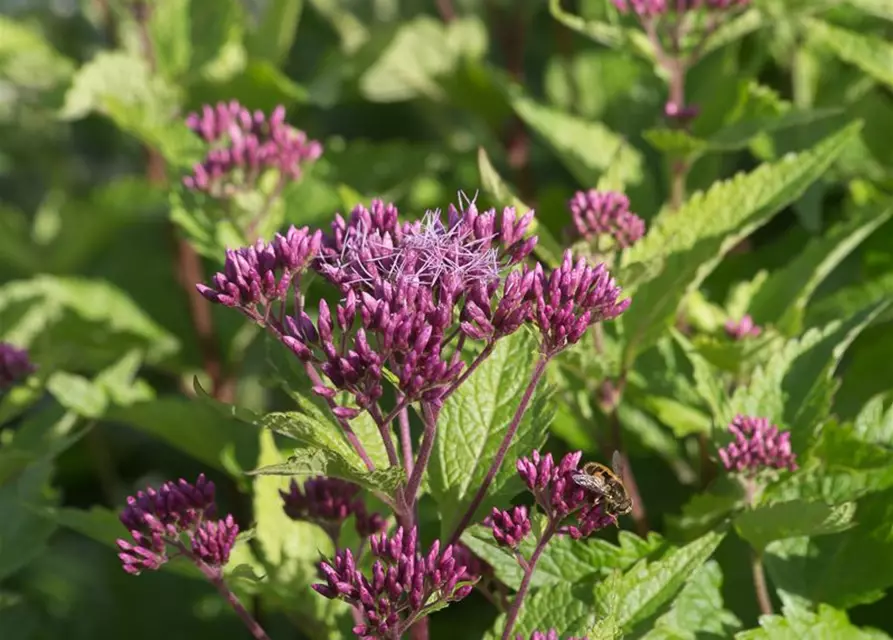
x=759, y=583
x=385, y=431
x=525, y=582
x=446, y=10
x=429, y=417
x=538, y=372
x=215, y=576
x=639, y=515
x=405, y=438
x=679, y=166
x=483, y=355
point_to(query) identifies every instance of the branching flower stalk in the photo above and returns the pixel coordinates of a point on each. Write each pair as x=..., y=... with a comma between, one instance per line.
x=413, y=295
x=569, y=509
x=758, y=449
x=678, y=31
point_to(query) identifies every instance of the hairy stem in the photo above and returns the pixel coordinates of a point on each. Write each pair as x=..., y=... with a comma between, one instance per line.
x=759, y=583
x=538, y=372
x=515, y=609
x=483, y=355
x=639, y=515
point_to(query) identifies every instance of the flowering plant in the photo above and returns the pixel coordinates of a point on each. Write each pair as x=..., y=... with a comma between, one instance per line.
x=401, y=320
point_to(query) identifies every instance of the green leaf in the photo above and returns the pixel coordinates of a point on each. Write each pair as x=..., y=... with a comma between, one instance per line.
x=605, y=33
x=28, y=60
x=698, y=609
x=78, y=394
x=799, y=623
x=782, y=298
x=847, y=301
x=873, y=425
x=423, y=50
x=872, y=55
x=108, y=321
x=690, y=242
x=648, y=586
x=588, y=149
x=547, y=247
x=192, y=427
x=765, y=524
x=564, y=606
x=564, y=560
x=169, y=29
x=322, y=462
x=880, y=8
x=708, y=510
x=24, y=534
x=473, y=423
x=274, y=34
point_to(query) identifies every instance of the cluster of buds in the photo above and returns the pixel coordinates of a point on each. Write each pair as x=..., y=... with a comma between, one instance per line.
x=510, y=527
x=597, y=214
x=405, y=583
x=560, y=497
x=745, y=328
x=570, y=299
x=243, y=146
x=328, y=502
x=551, y=634
x=14, y=365
x=757, y=445
x=170, y=517
x=412, y=294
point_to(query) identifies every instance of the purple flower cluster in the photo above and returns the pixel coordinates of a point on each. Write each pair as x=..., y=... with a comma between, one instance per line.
x=412, y=294
x=14, y=365
x=560, y=497
x=510, y=527
x=244, y=145
x=745, y=328
x=405, y=583
x=605, y=213
x=159, y=519
x=328, y=502
x=551, y=634
x=757, y=445
x=571, y=298
x=660, y=7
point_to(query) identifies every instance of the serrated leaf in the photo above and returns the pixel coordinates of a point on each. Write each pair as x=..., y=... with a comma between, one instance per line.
x=564, y=560
x=588, y=149
x=765, y=524
x=78, y=394
x=169, y=29
x=708, y=510
x=647, y=586
x=605, y=33
x=847, y=301
x=310, y=461
x=799, y=623
x=564, y=607
x=698, y=610
x=872, y=55
x=782, y=298
x=472, y=425
x=692, y=241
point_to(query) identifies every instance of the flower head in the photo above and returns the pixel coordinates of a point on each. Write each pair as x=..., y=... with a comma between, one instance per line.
x=14, y=365
x=510, y=527
x=744, y=328
x=162, y=518
x=551, y=634
x=328, y=502
x=403, y=584
x=570, y=299
x=605, y=213
x=757, y=445
x=244, y=145
x=649, y=8
x=559, y=496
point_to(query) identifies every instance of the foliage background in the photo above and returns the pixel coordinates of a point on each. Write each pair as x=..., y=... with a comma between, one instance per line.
x=91, y=272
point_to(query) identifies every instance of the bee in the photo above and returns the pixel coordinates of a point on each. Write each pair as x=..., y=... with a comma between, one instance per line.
x=608, y=484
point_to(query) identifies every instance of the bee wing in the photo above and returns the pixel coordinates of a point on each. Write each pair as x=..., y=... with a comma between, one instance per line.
x=617, y=465
x=593, y=483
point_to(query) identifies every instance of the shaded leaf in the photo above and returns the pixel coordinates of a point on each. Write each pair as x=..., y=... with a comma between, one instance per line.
x=798, y=623
x=765, y=524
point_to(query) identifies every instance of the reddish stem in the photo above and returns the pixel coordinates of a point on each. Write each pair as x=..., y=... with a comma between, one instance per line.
x=512, y=616
x=538, y=372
